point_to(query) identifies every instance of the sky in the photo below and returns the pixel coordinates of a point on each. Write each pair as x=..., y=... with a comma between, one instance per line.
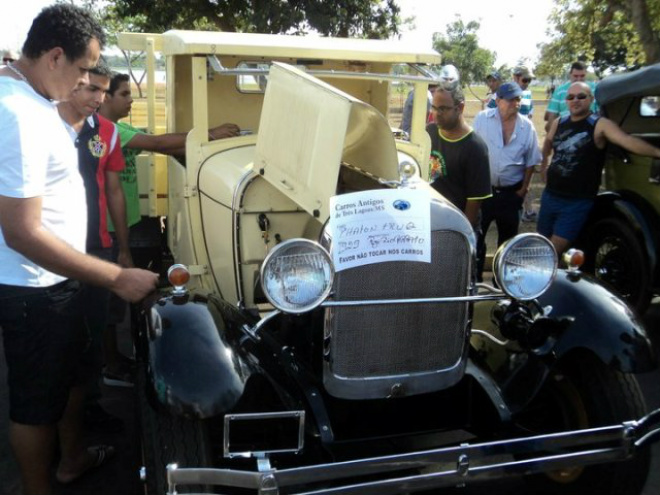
x=512, y=28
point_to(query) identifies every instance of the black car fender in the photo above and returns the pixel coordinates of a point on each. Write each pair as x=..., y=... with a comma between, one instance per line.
x=191, y=367
x=595, y=319
x=580, y=316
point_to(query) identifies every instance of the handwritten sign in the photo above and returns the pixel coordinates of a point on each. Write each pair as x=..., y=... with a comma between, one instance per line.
x=380, y=225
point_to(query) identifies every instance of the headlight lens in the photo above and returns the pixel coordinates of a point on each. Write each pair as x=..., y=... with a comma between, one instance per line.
x=525, y=266
x=297, y=275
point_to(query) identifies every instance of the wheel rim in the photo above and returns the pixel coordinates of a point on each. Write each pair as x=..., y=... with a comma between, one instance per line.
x=613, y=266
x=560, y=408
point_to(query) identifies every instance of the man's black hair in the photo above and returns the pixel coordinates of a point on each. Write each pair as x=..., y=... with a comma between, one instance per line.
x=62, y=25
x=455, y=91
x=102, y=69
x=578, y=66
x=115, y=82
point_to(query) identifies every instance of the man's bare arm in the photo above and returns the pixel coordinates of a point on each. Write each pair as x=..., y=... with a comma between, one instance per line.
x=175, y=143
x=20, y=220
x=546, y=150
x=117, y=209
x=472, y=207
x=608, y=130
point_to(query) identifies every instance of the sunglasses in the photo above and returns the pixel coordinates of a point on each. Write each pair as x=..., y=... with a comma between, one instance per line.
x=527, y=79
x=6, y=60
x=581, y=96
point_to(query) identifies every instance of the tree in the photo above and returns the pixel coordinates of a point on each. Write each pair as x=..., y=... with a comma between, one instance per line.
x=343, y=18
x=609, y=34
x=460, y=47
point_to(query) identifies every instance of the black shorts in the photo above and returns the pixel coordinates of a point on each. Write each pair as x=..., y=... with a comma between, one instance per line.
x=44, y=335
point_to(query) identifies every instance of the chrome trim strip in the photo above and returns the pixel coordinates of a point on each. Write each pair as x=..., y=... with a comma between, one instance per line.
x=450, y=465
x=369, y=302
x=427, y=76
x=239, y=191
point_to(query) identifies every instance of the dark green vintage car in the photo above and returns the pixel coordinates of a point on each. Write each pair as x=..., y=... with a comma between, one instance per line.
x=622, y=237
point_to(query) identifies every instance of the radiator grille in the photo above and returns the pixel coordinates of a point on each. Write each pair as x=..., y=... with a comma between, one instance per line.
x=390, y=340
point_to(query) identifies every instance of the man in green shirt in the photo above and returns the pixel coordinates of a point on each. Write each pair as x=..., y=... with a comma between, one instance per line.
x=145, y=235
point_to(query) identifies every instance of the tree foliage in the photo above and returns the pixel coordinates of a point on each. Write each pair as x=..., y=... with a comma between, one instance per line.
x=343, y=18
x=460, y=47
x=608, y=34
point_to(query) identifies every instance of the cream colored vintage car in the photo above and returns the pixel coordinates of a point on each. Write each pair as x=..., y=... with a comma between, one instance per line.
x=325, y=332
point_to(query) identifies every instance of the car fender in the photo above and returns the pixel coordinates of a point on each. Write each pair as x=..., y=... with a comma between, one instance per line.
x=597, y=320
x=636, y=212
x=191, y=366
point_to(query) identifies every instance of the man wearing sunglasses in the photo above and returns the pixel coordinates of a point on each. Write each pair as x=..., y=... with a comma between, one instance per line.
x=523, y=76
x=557, y=106
x=577, y=143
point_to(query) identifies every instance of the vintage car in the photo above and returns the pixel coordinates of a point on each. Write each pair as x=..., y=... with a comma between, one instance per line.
x=324, y=331
x=622, y=237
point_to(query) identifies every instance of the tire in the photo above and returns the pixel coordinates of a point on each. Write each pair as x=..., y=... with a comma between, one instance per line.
x=169, y=439
x=581, y=394
x=616, y=258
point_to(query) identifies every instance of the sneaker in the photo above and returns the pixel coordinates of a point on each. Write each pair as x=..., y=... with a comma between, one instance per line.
x=529, y=216
x=121, y=378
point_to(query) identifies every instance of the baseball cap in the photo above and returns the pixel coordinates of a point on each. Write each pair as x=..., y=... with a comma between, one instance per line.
x=523, y=71
x=509, y=91
x=494, y=75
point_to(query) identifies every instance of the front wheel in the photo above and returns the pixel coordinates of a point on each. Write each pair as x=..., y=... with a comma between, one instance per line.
x=169, y=439
x=614, y=255
x=585, y=393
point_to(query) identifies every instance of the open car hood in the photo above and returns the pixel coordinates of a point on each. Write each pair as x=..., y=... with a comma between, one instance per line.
x=641, y=82
x=308, y=128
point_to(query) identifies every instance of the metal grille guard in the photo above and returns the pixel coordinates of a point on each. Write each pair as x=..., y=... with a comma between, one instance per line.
x=449, y=466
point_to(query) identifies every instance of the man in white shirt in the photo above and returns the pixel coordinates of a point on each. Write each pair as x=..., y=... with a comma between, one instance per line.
x=42, y=242
x=513, y=151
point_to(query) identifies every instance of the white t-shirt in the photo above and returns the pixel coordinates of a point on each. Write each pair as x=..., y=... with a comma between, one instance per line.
x=38, y=159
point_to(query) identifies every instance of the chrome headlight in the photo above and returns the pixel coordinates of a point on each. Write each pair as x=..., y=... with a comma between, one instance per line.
x=297, y=275
x=525, y=266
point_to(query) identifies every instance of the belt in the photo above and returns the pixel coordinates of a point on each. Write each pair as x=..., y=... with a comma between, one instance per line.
x=513, y=187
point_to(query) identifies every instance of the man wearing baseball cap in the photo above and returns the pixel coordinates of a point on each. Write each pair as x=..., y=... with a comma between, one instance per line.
x=493, y=81
x=513, y=151
x=522, y=76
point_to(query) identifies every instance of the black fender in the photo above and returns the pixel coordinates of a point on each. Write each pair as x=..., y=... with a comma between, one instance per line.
x=597, y=320
x=637, y=213
x=191, y=366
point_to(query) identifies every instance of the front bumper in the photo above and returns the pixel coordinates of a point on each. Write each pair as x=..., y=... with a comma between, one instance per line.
x=438, y=468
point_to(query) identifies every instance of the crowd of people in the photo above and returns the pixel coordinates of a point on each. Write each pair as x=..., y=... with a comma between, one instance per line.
x=70, y=223
x=70, y=227
x=497, y=188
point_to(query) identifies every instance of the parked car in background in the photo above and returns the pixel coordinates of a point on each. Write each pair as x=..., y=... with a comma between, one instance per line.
x=325, y=332
x=622, y=237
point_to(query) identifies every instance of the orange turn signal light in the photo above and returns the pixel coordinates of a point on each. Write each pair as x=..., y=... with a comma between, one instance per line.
x=178, y=275
x=573, y=258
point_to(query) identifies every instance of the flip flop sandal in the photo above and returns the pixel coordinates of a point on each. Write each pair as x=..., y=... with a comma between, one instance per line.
x=103, y=453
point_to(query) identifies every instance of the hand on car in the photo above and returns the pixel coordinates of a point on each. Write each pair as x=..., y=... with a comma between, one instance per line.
x=224, y=131
x=134, y=284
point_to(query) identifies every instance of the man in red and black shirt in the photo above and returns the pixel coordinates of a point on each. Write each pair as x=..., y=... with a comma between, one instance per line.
x=100, y=161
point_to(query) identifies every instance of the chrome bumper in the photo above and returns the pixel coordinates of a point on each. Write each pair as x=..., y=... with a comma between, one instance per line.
x=450, y=466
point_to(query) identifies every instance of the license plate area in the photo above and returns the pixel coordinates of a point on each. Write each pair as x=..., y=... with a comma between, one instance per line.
x=255, y=434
